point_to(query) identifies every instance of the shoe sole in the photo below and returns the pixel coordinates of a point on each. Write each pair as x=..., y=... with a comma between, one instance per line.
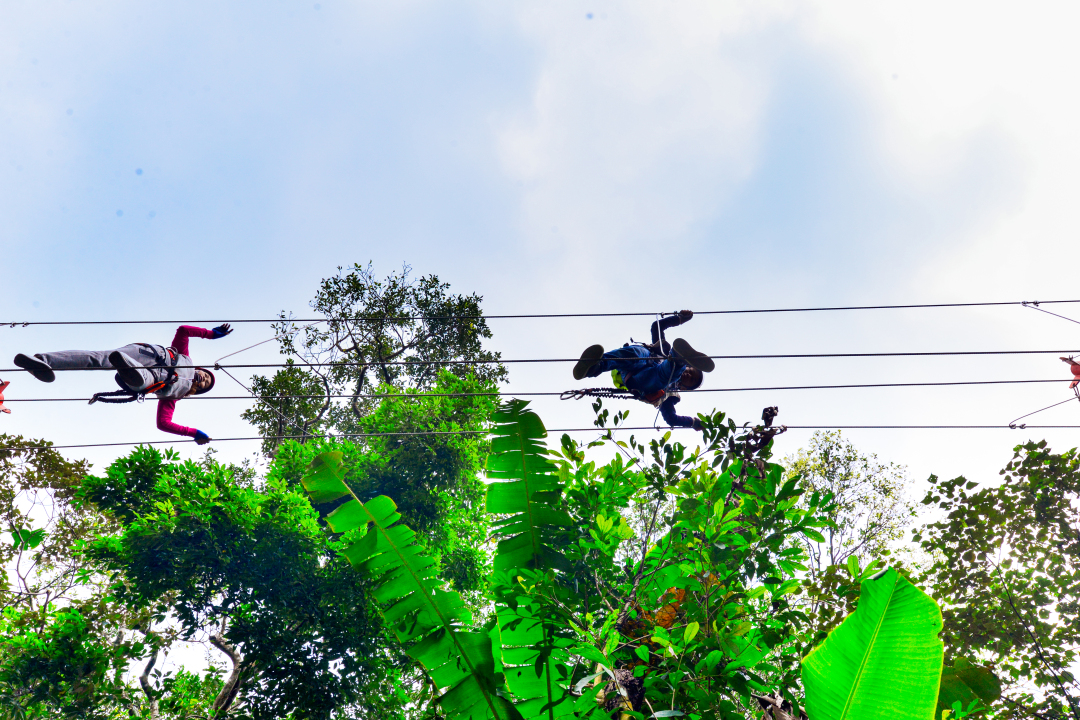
x=129, y=375
x=590, y=357
x=693, y=357
x=35, y=367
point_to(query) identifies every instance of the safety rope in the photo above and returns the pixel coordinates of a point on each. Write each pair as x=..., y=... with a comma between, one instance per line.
x=598, y=393
x=1076, y=392
x=115, y=397
x=1034, y=305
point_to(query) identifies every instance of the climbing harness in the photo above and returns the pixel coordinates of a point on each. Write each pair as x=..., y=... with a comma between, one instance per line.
x=126, y=394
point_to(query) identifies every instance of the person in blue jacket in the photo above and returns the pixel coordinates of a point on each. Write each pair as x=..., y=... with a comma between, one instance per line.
x=654, y=373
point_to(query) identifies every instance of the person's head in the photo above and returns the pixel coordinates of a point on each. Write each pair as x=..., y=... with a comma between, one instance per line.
x=202, y=382
x=691, y=378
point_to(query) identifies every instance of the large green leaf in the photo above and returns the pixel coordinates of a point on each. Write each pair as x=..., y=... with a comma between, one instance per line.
x=525, y=488
x=428, y=619
x=883, y=661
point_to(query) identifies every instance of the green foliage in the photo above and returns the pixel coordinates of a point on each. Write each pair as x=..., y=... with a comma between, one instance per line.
x=883, y=661
x=869, y=512
x=371, y=327
x=434, y=479
x=53, y=659
x=291, y=403
x=1008, y=577
x=61, y=640
x=688, y=612
x=247, y=566
x=432, y=622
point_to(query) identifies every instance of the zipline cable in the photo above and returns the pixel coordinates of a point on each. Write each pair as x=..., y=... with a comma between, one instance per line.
x=421, y=395
x=789, y=356
x=545, y=315
x=347, y=436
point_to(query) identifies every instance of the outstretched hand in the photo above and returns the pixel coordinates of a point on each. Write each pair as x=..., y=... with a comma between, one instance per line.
x=685, y=315
x=201, y=438
x=221, y=331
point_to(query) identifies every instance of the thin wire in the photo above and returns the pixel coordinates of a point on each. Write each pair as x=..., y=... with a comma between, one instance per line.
x=253, y=396
x=417, y=396
x=1035, y=306
x=249, y=347
x=541, y=316
x=554, y=430
x=1013, y=423
x=793, y=356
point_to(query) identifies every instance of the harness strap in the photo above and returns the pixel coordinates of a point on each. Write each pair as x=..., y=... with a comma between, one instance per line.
x=171, y=378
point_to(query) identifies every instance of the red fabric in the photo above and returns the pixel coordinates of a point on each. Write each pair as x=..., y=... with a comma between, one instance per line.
x=1075, y=369
x=165, y=408
x=180, y=340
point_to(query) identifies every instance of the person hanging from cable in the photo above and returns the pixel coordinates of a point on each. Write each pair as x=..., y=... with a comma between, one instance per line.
x=653, y=373
x=141, y=369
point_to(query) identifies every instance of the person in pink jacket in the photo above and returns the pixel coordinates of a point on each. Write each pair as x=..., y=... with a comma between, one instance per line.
x=141, y=369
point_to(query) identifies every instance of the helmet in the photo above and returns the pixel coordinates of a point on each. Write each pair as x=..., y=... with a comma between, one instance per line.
x=212, y=380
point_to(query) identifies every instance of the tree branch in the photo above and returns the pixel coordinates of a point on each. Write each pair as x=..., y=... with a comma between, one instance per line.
x=229, y=691
x=144, y=683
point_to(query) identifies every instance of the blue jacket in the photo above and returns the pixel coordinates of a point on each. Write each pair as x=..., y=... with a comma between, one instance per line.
x=660, y=374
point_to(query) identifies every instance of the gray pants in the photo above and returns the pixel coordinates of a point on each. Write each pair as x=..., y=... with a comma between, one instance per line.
x=134, y=354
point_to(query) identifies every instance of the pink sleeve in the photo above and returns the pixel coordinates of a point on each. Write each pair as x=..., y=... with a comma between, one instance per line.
x=180, y=339
x=165, y=409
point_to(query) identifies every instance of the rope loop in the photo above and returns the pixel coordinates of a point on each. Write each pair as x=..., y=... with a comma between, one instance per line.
x=598, y=393
x=115, y=396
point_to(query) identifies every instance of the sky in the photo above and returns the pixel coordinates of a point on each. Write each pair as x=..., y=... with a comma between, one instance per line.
x=213, y=161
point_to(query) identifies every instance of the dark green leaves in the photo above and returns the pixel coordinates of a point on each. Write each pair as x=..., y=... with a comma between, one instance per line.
x=969, y=684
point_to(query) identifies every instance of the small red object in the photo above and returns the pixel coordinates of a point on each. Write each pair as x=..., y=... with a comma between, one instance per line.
x=1075, y=367
x=3, y=387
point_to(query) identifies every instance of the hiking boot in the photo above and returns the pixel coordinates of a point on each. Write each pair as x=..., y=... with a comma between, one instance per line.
x=127, y=372
x=693, y=358
x=38, y=368
x=592, y=355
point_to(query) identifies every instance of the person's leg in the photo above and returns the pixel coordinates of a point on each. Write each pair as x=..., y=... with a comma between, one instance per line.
x=693, y=357
x=627, y=359
x=129, y=361
x=589, y=357
x=133, y=374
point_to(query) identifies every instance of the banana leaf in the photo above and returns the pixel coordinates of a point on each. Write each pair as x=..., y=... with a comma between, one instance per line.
x=883, y=662
x=524, y=487
x=429, y=620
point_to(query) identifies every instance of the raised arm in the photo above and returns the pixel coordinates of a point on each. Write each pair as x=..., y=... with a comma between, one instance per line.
x=659, y=326
x=165, y=423
x=180, y=339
